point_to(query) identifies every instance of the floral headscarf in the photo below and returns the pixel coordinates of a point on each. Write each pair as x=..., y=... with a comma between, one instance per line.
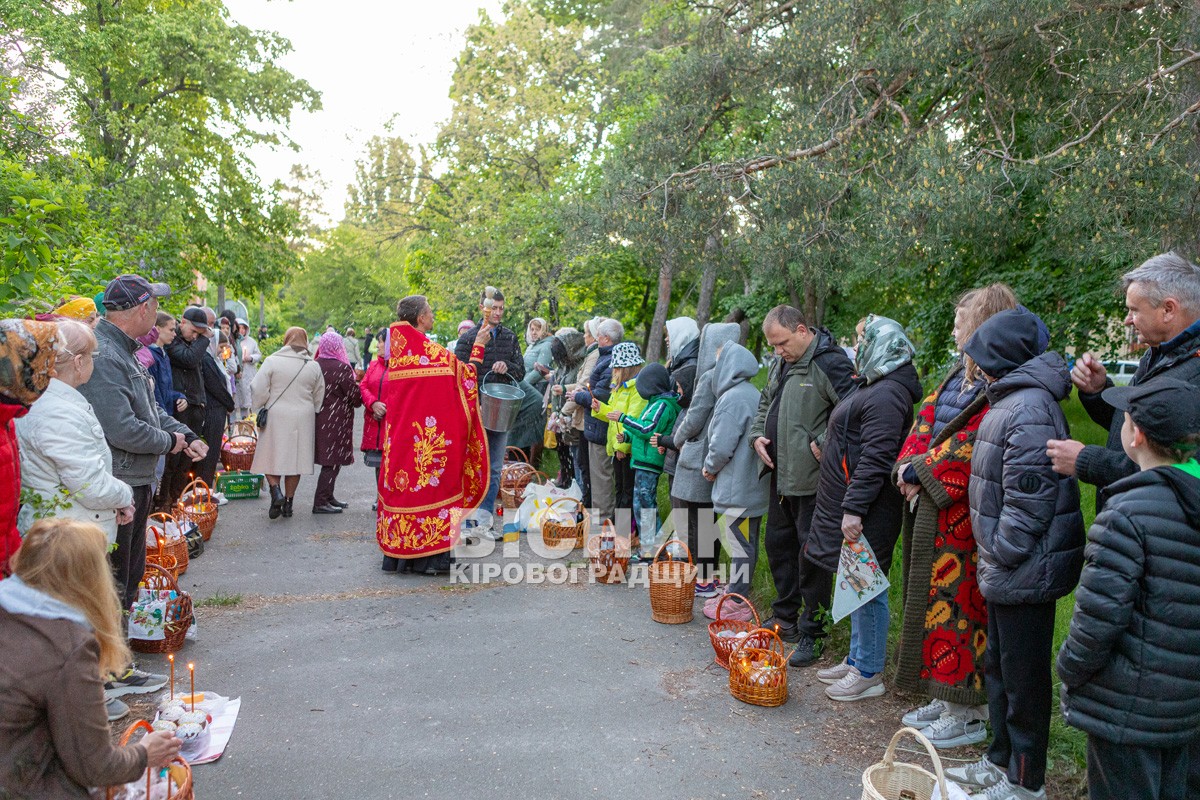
x=882, y=350
x=26, y=358
x=330, y=345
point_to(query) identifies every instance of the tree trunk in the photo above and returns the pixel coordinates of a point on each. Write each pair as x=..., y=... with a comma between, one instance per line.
x=708, y=282
x=666, y=275
x=811, y=312
x=220, y=298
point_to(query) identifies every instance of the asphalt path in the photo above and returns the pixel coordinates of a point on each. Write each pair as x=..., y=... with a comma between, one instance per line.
x=358, y=683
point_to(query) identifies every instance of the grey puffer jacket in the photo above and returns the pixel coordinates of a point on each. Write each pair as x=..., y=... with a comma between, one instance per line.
x=739, y=484
x=690, y=436
x=138, y=430
x=1129, y=662
x=1026, y=516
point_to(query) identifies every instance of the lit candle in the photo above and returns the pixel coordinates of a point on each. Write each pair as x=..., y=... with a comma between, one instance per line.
x=171, y=658
x=192, y=670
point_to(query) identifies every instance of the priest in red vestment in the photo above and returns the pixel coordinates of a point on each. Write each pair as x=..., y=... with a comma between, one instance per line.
x=435, y=459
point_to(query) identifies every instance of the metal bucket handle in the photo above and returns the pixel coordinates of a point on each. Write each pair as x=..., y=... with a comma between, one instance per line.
x=501, y=374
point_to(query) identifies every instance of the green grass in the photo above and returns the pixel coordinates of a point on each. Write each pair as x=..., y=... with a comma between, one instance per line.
x=220, y=600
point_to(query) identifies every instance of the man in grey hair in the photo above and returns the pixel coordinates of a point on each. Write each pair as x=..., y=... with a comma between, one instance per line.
x=1162, y=297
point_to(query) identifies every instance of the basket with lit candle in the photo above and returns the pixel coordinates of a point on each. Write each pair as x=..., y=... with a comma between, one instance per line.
x=197, y=505
x=758, y=669
x=237, y=450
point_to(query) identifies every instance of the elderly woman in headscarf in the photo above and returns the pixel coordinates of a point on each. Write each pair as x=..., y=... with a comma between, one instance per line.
x=27, y=356
x=291, y=387
x=856, y=498
x=335, y=421
x=537, y=353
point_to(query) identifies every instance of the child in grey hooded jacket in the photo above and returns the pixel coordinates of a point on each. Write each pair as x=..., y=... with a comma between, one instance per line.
x=739, y=491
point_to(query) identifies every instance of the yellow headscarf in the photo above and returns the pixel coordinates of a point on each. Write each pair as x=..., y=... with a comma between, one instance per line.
x=81, y=308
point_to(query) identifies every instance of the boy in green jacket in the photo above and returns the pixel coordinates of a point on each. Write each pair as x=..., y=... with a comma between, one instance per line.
x=662, y=407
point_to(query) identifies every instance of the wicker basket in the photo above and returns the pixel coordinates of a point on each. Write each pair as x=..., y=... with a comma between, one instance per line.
x=177, y=548
x=196, y=504
x=561, y=534
x=237, y=451
x=758, y=669
x=181, y=772
x=723, y=645
x=514, y=478
x=180, y=609
x=672, y=586
x=159, y=556
x=514, y=455
x=889, y=780
x=608, y=554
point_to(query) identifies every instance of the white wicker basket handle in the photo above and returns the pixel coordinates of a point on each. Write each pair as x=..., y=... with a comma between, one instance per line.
x=889, y=757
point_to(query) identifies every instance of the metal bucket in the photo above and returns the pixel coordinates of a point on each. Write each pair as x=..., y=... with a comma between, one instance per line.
x=499, y=404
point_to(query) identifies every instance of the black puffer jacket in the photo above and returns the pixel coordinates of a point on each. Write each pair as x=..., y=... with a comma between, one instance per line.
x=865, y=433
x=503, y=346
x=1129, y=664
x=1025, y=516
x=1104, y=465
x=186, y=358
x=600, y=381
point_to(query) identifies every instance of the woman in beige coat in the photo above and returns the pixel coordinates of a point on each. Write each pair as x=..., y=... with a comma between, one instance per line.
x=291, y=386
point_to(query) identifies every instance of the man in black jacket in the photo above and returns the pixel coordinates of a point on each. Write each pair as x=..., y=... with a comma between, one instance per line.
x=1163, y=300
x=186, y=354
x=1128, y=665
x=502, y=356
x=217, y=408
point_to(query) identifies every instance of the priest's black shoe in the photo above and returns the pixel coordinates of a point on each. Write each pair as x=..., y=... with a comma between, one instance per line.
x=338, y=503
x=326, y=509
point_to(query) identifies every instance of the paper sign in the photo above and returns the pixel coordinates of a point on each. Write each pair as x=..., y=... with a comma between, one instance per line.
x=859, y=578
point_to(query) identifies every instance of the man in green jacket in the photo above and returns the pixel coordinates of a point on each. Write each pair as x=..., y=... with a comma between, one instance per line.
x=809, y=377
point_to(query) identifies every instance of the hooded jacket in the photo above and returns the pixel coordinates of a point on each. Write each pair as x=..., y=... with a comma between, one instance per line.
x=138, y=430
x=1179, y=358
x=623, y=399
x=1025, y=516
x=689, y=438
x=739, y=483
x=801, y=397
x=658, y=417
x=1128, y=664
x=187, y=359
x=865, y=433
x=595, y=429
x=54, y=735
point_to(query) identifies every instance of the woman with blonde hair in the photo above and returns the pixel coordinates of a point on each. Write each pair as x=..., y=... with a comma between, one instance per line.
x=291, y=388
x=944, y=630
x=64, y=456
x=60, y=622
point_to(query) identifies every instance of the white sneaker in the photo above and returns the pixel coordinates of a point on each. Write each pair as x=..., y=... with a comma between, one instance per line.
x=1008, y=791
x=956, y=730
x=982, y=774
x=853, y=686
x=926, y=715
x=831, y=675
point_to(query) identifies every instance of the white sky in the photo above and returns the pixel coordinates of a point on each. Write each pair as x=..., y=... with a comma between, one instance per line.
x=374, y=62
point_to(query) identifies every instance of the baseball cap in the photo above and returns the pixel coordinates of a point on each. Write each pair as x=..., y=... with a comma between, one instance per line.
x=130, y=291
x=1166, y=409
x=197, y=317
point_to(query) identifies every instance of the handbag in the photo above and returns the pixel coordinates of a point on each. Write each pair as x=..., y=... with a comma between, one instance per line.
x=260, y=416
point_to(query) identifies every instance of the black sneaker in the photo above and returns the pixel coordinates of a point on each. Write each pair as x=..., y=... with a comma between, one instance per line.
x=807, y=651
x=134, y=681
x=787, y=631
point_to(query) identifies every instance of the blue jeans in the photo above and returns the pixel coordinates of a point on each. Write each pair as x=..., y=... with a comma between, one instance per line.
x=868, y=634
x=496, y=444
x=645, y=504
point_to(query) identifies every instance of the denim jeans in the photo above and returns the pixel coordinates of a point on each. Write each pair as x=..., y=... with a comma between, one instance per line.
x=868, y=634
x=645, y=504
x=496, y=444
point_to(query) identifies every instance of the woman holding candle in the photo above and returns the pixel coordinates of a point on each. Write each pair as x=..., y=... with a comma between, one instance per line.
x=250, y=355
x=60, y=622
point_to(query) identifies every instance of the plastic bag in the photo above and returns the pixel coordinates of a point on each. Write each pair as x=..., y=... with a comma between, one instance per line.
x=955, y=791
x=537, y=497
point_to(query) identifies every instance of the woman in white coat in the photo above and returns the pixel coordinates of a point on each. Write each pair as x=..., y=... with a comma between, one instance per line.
x=250, y=356
x=291, y=387
x=64, y=456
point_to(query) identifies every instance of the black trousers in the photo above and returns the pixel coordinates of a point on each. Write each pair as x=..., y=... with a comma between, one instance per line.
x=799, y=583
x=1020, y=689
x=706, y=550
x=128, y=560
x=179, y=468
x=325, y=483
x=215, y=419
x=582, y=470
x=1122, y=771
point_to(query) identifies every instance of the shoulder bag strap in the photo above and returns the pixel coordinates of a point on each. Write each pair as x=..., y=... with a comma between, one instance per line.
x=293, y=380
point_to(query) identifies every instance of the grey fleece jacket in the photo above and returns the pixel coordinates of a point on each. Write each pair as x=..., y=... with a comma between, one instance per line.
x=690, y=436
x=730, y=457
x=121, y=393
